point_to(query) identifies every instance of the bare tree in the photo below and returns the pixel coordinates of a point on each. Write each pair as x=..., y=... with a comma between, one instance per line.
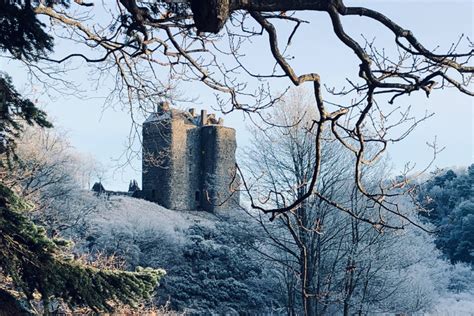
x=50, y=174
x=205, y=41
x=334, y=258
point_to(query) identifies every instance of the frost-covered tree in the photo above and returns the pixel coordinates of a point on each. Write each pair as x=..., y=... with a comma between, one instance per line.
x=49, y=172
x=38, y=264
x=31, y=263
x=449, y=202
x=333, y=257
x=212, y=262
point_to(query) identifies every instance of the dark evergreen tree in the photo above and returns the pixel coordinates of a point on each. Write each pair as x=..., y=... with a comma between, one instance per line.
x=15, y=111
x=98, y=188
x=133, y=186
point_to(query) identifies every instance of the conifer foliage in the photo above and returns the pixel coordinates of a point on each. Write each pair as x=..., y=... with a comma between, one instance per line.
x=37, y=263
x=15, y=111
x=22, y=34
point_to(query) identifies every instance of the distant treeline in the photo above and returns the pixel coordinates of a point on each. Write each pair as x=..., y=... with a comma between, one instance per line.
x=449, y=201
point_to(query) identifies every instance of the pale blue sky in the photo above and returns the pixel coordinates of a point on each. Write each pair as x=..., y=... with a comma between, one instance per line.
x=103, y=133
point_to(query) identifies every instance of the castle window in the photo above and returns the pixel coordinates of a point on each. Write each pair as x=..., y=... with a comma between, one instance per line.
x=196, y=196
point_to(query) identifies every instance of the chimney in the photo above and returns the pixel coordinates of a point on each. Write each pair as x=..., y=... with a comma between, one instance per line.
x=163, y=107
x=192, y=111
x=211, y=119
x=203, y=117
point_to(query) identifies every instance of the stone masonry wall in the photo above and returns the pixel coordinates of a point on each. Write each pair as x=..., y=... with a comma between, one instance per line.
x=156, y=162
x=196, y=161
x=182, y=195
x=218, y=160
x=194, y=168
x=225, y=172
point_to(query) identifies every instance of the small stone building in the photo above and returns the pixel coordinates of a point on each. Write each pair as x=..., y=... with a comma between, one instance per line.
x=189, y=161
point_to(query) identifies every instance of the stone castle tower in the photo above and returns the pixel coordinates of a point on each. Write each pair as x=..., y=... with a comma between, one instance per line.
x=189, y=161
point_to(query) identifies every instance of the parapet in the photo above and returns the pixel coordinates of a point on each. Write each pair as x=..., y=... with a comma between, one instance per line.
x=164, y=111
x=204, y=119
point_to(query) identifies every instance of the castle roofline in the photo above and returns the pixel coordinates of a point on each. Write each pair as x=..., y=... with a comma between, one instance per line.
x=154, y=117
x=164, y=112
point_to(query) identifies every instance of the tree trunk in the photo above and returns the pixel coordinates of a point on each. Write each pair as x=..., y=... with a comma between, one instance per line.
x=211, y=15
x=3, y=117
x=307, y=286
x=346, y=308
x=309, y=307
x=278, y=5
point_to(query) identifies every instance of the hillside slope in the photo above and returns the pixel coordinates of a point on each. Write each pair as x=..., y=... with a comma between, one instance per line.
x=212, y=261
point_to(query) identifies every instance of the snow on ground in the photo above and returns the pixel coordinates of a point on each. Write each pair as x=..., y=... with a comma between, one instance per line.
x=454, y=305
x=138, y=214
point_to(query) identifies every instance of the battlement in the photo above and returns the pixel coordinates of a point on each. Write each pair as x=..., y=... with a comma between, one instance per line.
x=165, y=112
x=189, y=160
x=205, y=119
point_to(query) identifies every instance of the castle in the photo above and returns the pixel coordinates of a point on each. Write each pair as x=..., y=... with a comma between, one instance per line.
x=189, y=161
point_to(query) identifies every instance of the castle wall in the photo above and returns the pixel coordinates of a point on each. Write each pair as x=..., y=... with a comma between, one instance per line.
x=183, y=170
x=208, y=161
x=192, y=161
x=218, y=164
x=156, y=162
x=195, y=168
